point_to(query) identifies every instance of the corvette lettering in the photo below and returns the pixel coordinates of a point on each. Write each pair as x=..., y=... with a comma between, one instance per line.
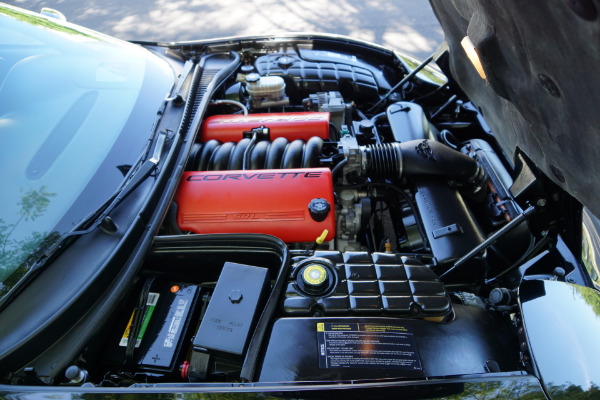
x=250, y=176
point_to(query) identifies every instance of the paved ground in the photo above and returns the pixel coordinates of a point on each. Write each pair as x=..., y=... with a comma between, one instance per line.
x=406, y=25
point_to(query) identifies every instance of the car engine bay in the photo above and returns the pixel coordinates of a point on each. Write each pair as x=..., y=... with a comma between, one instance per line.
x=341, y=217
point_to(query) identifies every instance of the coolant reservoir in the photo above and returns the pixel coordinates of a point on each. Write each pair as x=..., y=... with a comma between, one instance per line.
x=266, y=91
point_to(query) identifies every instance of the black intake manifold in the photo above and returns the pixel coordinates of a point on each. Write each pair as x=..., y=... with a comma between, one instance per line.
x=278, y=154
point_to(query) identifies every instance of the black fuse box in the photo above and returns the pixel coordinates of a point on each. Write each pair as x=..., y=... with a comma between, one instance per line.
x=233, y=311
x=166, y=320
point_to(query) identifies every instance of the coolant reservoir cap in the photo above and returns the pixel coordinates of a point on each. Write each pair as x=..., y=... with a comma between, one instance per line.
x=314, y=275
x=319, y=209
x=285, y=61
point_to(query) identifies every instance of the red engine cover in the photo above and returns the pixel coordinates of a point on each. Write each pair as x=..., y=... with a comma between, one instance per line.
x=292, y=126
x=274, y=202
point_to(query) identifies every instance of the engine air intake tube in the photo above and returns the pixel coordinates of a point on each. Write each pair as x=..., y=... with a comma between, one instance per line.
x=383, y=160
x=278, y=154
x=421, y=157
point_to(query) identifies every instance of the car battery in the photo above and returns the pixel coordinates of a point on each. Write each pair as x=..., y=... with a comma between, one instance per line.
x=170, y=308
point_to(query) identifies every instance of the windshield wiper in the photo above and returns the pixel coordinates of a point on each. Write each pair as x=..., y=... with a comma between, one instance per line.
x=133, y=181
x=177, y=97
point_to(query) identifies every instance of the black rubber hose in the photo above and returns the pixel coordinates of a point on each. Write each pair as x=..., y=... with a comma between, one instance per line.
x=383, y=160
x=338, y=168
x=428, y=157
x=422, y=157
x=246, y=153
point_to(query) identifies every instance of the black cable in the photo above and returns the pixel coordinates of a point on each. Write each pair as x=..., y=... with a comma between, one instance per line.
x=376, y=117
x=533, y=248
x=231, y=102
x=360, y=114
x=336, y=133
x=491, y=239
x=339, y=166
x=447, y=104
x=402, y=82
x=433, y=92
x=448, y=138
x=245, y=159
x=374, y=120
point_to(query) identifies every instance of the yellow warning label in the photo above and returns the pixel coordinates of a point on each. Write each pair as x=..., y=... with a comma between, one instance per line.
x=150, y=305
x=338, y=327
x=368, y=345
x=126, y=333
x=381, y=328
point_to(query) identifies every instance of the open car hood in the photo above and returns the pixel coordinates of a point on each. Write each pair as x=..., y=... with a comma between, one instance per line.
x=314, y=220
x=540, y=61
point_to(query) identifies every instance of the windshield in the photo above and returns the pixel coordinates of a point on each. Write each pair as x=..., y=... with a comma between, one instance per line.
x=76, y=110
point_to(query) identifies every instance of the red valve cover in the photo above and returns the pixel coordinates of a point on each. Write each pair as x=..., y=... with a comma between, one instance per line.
x=292, y=126
x=273, y=202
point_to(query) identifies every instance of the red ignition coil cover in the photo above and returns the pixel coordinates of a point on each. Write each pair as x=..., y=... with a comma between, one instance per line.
x=292, y=126
x=274, y=202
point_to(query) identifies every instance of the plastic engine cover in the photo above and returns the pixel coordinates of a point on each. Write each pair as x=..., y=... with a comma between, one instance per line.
x=292, y=126
x=274, y=202
x=368, y=284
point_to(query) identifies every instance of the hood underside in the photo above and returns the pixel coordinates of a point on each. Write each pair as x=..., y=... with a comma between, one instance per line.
x=541, y=88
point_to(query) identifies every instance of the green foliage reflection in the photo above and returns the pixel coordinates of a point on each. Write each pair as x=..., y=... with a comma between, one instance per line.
x=17, y=254
x=42, y=22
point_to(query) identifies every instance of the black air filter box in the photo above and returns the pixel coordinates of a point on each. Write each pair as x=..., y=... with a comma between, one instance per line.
x=450, y=227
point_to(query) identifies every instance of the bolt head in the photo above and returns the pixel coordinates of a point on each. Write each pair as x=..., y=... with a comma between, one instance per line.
x=541, y=202
x=235, y=296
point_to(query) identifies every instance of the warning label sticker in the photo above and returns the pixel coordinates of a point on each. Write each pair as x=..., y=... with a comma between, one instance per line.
x=150, y=305
x=364, y=345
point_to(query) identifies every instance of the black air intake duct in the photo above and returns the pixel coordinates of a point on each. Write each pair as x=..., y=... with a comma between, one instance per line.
x=421, y=157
